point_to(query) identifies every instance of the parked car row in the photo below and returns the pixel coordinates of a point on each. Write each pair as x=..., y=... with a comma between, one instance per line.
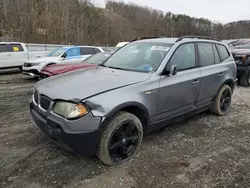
x=63, y=55
x=147, y=84
x=241, y=51
x=14, y=54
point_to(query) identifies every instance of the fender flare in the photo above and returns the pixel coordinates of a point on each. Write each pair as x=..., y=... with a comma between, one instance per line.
x=231, y=84
x=118, y=108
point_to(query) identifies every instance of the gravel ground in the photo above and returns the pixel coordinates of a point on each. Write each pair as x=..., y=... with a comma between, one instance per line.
x=204, y=151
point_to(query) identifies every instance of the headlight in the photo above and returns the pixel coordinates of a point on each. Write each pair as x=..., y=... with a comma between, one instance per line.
x=70, y=110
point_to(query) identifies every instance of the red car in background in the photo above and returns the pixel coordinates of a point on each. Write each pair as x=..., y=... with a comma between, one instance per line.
x=57, y=69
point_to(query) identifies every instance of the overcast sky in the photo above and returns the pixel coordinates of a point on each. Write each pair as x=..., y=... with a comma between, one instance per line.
x=216, y=10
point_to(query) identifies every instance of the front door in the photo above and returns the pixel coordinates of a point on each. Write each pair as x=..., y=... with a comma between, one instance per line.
x=179, y=93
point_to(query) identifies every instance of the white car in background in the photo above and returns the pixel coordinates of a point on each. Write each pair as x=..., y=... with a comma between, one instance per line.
x=65, y=55
x=14, y=54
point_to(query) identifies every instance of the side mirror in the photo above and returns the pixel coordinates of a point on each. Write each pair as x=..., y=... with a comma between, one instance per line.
x=171, y=71
x=64, y=55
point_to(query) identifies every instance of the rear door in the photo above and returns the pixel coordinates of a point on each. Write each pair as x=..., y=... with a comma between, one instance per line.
x=213, y=71
x=88, y=51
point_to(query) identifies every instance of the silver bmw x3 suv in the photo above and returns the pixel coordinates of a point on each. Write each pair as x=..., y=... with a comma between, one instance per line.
x=148, y=84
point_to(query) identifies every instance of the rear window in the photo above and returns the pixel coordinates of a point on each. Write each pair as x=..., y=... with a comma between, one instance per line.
x=3, y=48
x=15, y=48
x=223, y=52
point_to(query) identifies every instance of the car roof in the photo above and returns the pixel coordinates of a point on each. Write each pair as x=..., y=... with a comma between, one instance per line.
x=174, y=40
x=11, y=43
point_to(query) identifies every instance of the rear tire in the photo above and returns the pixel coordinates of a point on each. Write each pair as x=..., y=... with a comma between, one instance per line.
x=114, y=149
x=222, y=101
x=244, y=79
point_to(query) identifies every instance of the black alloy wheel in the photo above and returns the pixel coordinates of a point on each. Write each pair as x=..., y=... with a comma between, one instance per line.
x=121, y=139
x=124, y=141
x=225, y=100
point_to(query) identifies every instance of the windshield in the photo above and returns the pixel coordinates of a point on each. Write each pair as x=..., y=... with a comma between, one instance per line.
x=139, y=56
x=97, y=58
x=56, y=52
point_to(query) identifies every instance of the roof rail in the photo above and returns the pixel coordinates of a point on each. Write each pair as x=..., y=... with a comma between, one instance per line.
x=196, y=37
x=143, y=38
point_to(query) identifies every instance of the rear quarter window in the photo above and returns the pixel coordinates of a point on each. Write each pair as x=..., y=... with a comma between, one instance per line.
x=223, y=52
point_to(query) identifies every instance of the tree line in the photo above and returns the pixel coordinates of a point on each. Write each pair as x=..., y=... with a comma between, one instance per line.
x=80, y=22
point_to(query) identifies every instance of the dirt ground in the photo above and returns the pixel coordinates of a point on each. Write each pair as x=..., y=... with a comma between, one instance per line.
x=205, y=151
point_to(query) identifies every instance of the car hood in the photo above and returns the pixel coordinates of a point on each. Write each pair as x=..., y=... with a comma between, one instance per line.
x=241, y=52
x=43, y=59
x=62, y=68
x=82, y=84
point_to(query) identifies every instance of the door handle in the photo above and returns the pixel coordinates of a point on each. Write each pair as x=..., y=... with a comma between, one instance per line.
x=196, y=81
x=221, y=74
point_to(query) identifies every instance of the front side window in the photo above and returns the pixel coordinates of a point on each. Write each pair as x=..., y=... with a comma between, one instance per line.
x=206, y=54
x=139, y=56
x=224, y=54
x=3, y=48
x=184, y=57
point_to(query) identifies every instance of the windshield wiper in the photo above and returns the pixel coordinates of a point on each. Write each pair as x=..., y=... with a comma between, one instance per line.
x=102, y=65
x=116, y=68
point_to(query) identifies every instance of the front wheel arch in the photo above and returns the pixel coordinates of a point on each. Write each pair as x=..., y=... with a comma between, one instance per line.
x=136, y=108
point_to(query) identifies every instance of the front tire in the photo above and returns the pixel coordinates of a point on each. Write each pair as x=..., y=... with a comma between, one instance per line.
x=222, y=101
x=121, y=139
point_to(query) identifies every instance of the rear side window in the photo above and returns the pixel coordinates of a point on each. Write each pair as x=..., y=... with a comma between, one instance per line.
x=97, y=50
x=206, y=54
x=3, y=48
x=216, y=55
x=223, y=52
x=184, y=57
x=88, y=51
x=15, y=48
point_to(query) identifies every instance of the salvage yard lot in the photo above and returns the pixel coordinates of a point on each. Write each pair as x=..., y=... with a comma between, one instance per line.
x=204, y=151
